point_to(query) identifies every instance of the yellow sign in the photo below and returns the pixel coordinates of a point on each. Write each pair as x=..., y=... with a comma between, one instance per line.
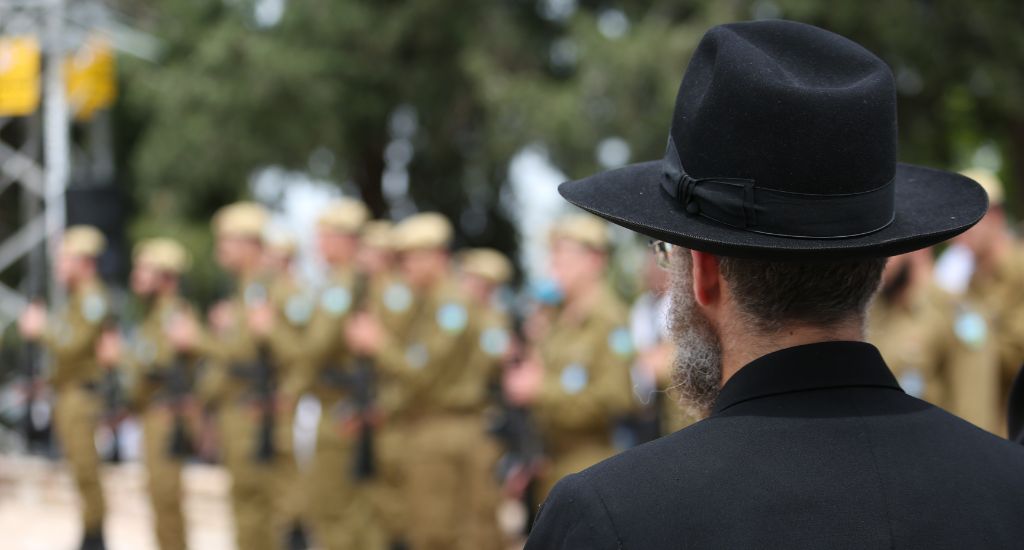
x=91, y=81
x=19, y=76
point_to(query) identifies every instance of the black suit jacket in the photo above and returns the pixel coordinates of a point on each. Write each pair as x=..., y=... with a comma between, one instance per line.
x=814, y=446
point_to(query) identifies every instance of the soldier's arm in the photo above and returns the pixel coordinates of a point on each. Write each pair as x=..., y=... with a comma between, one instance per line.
x=576, y=404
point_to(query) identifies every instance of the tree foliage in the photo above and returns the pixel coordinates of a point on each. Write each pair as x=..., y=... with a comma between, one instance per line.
x=485, y=79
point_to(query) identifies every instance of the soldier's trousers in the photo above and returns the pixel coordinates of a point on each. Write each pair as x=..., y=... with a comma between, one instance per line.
x=452, y=491
x=340, y=507
x=289, y=493
x=392, y=453
x=569, y=461
x=252, y=481
x=164, y=477
x=76, y=414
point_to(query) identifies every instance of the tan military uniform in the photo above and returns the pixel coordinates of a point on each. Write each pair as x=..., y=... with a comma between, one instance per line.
x=1000, y=294
x=153, y=366
x=71, y=340
x=484, y=496
x=292, y=354
x=341, y=507
x=940, y=350
x=392, y=304
x=443, y=396
x=586, y=386
x=229, y=385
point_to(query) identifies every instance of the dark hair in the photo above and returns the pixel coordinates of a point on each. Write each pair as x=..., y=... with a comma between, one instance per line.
x=774, y=294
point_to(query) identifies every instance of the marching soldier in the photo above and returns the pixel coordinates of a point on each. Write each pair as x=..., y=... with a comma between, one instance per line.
x=441, y=394
x=998, y=279
x=237, y=378
x=72, y=338
x=341, y=508
x=577, y=379
x=161, y=382
x=937, y=346
x=483, y=271
x=291, y=307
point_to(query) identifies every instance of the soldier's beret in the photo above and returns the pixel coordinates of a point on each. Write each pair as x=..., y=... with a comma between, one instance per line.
x=344, y=215
x=423, y=231
x=378, y=234
x=241, y=219
x=487, y=263
x=164, y=254
x=585, y=229
x=83, y=240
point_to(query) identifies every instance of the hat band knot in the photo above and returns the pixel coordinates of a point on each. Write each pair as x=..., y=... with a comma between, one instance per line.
x=740, y=203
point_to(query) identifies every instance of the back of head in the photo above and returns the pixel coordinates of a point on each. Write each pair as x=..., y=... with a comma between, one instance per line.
x=775, y=295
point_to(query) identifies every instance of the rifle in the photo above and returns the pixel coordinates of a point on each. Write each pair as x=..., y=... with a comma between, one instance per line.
x=265, y=390
x=112, y=396
x=178, y=385
x=363, y=370
x=520, y=437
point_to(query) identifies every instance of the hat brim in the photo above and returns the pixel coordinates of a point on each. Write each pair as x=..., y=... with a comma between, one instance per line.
x=931, y=206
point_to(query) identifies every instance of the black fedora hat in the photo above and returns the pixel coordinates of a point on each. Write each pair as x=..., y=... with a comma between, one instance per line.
x=783, y=146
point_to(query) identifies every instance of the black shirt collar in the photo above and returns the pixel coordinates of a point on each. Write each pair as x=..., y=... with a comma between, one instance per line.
x=807, y=367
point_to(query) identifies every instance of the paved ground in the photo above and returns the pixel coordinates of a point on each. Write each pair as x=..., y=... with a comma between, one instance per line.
x=38, y=510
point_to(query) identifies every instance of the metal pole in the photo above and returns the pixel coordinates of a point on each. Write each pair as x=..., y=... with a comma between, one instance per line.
x=56, y=135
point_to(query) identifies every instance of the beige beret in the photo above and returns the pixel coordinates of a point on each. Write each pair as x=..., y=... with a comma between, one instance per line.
x=241, y=219
x=585, y=229
x=487, y=263
x=378, y=234
x=83, y=240
x=344, y=215
x=281, y=242
x=164, y=254
x=989, y=181
x=422, y=231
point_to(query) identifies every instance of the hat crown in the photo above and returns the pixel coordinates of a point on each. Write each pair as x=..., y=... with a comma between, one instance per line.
x=792, y=107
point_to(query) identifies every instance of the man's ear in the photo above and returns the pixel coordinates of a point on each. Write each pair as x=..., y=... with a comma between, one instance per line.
x=707, y=287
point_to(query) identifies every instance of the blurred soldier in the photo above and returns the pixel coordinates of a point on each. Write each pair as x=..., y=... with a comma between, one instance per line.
x=938, y=347
x=292, y=305
x=235, y=381
x=390, y=302
x=72, y=338
x=483, y=272
x=577, y=378
x=997, y=282
x=161, y=379
x=341, y=510
x=442, y=396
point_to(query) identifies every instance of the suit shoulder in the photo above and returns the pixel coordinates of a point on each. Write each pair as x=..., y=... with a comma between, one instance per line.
x=573, y=516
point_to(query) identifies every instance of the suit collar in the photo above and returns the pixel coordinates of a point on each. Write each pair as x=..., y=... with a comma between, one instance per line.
x=807, y=367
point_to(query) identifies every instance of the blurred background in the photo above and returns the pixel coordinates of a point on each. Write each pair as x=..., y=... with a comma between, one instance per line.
x=143, y=117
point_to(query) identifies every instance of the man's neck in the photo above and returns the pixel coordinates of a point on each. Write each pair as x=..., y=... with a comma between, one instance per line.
x=740, y=348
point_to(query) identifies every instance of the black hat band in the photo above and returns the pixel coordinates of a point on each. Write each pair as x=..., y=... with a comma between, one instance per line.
x=740, y=203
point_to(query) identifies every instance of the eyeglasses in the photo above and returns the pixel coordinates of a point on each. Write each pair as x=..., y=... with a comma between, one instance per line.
x=662, y=252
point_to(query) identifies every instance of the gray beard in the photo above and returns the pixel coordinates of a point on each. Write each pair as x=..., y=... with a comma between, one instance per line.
x=697, y=367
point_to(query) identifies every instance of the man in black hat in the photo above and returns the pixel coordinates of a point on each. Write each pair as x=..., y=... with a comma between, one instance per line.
x=781, y=196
